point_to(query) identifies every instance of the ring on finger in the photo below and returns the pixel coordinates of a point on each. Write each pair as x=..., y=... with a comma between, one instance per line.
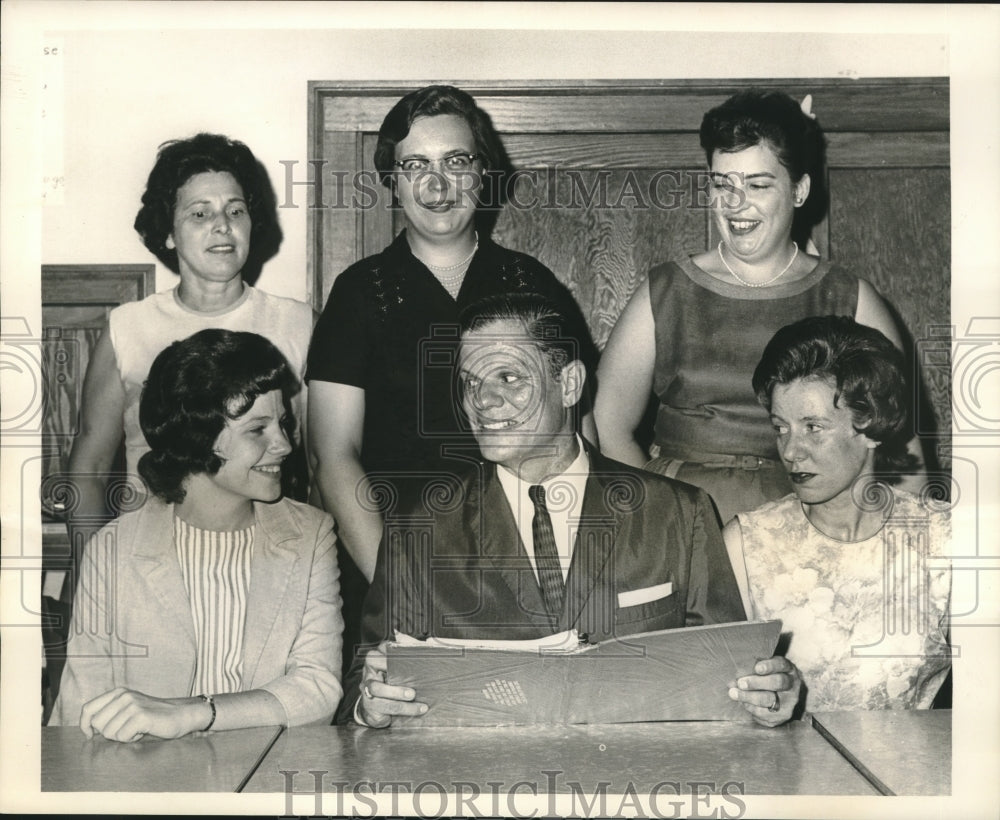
x=368, y=692
x=774, y=707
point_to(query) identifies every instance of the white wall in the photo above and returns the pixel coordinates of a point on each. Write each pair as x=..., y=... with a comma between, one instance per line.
x=130, y=75
x=123, y=92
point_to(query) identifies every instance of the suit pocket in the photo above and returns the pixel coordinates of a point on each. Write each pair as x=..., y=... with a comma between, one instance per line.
x=660, y=613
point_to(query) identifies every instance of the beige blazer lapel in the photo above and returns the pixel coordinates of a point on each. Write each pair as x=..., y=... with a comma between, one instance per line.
x=271, y=568
x=157, y=564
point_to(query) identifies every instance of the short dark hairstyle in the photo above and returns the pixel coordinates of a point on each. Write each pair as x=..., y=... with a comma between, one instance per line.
x=757, y=116
x=865, y=369
x=555, y=331
x=193, y=387
x=435, y=100
x=179, y=160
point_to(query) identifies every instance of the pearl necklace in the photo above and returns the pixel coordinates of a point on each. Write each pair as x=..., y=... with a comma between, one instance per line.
x=743, y=281
x=457, y=265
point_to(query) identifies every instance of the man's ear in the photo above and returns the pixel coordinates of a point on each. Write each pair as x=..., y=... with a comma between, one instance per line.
x=571, y=380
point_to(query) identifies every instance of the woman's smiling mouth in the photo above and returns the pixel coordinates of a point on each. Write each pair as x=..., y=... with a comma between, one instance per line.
x=741, y=227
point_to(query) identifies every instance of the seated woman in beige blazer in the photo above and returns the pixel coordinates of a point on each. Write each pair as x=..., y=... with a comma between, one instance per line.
x=216, y=605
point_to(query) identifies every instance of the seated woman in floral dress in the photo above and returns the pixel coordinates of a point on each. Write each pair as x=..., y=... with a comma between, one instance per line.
x=856, y=570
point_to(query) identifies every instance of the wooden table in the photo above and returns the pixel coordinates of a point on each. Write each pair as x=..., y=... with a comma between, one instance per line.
x=897, y=752
x=210, y=762
x=793, y=759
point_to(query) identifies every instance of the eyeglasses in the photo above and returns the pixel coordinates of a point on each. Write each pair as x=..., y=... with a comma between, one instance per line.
x=453, y=163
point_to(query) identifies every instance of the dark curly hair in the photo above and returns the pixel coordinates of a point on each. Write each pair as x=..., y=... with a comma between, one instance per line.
x=435, y=100
x=194, y=386
x=867, y=372
x=757, y=116
x=179, y=160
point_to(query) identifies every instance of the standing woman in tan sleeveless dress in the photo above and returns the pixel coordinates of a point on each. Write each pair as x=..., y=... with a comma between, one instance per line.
x=693, y=331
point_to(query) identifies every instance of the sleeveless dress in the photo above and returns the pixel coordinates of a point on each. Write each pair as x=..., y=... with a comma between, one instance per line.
x=141, y=330
x=710, y=430
x=867, y=620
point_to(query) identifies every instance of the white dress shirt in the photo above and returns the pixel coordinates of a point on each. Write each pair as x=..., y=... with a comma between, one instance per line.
x=563, y=498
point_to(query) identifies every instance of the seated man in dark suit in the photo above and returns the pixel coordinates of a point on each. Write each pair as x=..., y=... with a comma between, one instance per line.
x=547, y=535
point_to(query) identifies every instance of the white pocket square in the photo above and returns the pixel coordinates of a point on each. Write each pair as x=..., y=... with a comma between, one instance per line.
x=634, y=597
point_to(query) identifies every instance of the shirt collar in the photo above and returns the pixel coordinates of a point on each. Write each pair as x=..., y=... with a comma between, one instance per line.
x=579, y=467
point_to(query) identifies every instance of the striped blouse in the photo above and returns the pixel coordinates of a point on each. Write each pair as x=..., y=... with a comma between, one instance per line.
x=216, y=571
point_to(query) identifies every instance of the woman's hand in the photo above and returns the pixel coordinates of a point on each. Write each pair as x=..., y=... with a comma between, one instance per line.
x=379, y=700
x=772, y=693
x=126, y=715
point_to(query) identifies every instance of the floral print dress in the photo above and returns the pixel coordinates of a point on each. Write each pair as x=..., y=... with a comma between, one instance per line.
x=867, y=620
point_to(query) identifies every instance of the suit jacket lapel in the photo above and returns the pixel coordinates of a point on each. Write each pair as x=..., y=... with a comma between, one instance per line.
x=600, y=520
x=156, y=557
x=270, y=571
x=494, y=528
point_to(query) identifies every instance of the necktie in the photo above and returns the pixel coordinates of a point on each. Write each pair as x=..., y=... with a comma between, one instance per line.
x=546, y=556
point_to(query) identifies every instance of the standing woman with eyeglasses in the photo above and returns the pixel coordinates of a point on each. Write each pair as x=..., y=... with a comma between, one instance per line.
x=382, y=415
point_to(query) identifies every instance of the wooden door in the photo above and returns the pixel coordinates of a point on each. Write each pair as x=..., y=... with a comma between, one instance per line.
x=609, y=184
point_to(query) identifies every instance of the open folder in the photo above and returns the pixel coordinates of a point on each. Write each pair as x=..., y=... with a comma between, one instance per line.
x=672, y=674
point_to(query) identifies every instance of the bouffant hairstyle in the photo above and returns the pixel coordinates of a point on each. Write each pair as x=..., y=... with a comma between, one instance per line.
x=179, y=160
x=435, y=100
x=194, y=386
x=865, y=369
x=756, y=116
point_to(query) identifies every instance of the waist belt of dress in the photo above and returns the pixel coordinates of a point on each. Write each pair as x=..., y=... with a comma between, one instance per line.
x=721, y=460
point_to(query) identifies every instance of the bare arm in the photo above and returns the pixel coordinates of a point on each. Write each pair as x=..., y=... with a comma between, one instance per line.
x=625, y=379
x=336, y=426
x=872, y=311
x=733, y=537
x=101, y=430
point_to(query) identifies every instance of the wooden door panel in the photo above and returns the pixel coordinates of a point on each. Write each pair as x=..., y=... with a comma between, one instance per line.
x=76, y=301
x=888, y=159
x=600, y=246
x=894, y=228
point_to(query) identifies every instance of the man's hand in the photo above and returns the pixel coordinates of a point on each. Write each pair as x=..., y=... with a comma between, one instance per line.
x=126, y=715
x=379, y=700
x=772, y=693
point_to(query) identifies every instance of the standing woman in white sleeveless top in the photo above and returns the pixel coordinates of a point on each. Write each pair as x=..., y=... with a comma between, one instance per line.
x=208, y=214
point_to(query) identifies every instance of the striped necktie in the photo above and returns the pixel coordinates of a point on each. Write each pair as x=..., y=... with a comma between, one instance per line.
x=546, y=556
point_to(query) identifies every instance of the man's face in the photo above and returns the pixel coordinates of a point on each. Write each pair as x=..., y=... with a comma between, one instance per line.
x=519, y=411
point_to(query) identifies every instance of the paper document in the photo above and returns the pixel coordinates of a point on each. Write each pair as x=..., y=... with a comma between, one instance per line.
x=568, y=641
